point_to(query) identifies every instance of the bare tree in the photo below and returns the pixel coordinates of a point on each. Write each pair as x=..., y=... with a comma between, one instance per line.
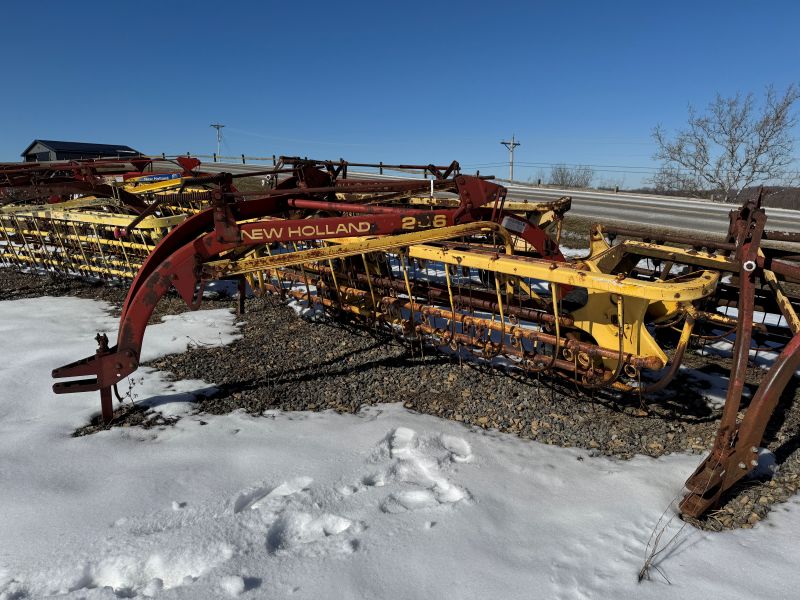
x=571, y=177
x=611, y=183
x=674, y=179
x=539, y=176
x=733, y=145
x=560, y=175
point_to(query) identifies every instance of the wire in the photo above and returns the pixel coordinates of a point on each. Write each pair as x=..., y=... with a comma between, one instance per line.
x=601, y=168
x=273, y=137
x=597, y=167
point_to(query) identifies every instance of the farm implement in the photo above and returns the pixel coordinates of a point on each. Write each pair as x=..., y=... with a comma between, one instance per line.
x=67, y=217
x=446, y=260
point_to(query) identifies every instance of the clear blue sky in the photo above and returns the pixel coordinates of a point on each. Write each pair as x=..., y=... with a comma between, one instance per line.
x=577, y=82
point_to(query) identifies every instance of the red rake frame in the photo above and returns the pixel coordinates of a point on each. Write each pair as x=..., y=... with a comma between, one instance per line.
x=178, y=259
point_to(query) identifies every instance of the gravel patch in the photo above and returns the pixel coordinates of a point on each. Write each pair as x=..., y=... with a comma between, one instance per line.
x=285, y=362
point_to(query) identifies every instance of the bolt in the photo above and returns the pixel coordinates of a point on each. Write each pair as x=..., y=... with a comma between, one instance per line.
x=754, y=463
x=742, y=465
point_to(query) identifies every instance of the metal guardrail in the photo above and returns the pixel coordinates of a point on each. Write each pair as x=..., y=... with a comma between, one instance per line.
x=219, y=157
x=242, y=159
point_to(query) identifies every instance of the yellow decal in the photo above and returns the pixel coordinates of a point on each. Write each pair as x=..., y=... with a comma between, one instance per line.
x=424, y=222
x=309, y=231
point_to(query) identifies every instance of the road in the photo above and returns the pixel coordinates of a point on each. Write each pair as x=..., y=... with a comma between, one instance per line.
x=666, y=211
x=635, y=209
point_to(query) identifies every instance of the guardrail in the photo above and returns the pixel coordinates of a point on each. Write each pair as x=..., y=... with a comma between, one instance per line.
x=220, y=157
x=273, y=159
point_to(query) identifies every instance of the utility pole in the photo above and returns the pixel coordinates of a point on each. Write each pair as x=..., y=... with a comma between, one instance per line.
x=218, y=127
x=511, y=145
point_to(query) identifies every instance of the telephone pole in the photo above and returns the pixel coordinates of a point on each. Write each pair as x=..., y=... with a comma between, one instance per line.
x=218, y=127
x=511, y=145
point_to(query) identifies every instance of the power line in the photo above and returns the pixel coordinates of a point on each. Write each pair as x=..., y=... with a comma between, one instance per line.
x=607, y=168
x=294, y=140
x=624, y=168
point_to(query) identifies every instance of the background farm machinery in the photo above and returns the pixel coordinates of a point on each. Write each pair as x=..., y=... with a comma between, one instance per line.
x=447, y=260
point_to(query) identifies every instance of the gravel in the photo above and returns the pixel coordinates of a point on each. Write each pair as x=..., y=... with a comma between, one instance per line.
x=288, y=363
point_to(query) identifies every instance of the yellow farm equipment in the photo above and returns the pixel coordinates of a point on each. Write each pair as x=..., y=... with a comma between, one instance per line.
x=81, y=233
x=448, y=261
x=80, y=242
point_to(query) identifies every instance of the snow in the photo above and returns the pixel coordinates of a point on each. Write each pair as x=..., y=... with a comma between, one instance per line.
x=233, y=585
x=382, y=504
x=574, y=253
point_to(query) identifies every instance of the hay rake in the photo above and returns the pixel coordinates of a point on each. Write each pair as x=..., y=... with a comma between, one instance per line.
x=91, y=218
x=447, y=260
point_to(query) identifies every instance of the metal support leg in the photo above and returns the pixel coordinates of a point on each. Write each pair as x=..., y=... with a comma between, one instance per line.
x=106, y=408
x=242, y=295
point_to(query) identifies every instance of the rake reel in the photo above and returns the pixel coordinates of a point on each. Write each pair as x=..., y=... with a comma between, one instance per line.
x=98, y=218
x=447, y=260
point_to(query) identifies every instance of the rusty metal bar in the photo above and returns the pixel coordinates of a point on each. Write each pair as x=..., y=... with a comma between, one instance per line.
x=668, y=237
x=727, y=465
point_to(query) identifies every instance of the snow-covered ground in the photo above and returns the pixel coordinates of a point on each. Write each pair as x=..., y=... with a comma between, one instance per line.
x=383, y=504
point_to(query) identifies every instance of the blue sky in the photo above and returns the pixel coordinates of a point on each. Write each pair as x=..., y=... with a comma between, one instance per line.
x=577, y=82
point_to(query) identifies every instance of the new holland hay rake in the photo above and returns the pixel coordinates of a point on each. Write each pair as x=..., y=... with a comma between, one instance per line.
x=450, y=261
x=69, y=217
